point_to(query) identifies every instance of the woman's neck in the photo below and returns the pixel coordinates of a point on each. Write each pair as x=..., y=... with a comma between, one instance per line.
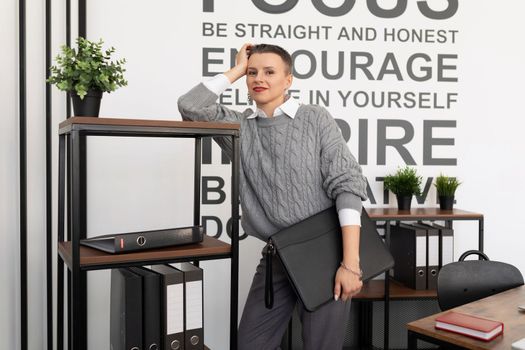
x=270, y=107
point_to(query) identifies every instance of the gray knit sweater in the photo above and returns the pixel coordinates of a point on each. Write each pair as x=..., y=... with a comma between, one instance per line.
x=290, y=168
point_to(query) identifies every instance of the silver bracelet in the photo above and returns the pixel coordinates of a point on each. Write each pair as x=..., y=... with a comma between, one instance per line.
x=358, y=274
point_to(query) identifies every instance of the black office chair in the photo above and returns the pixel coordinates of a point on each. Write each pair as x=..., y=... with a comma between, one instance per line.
x=464, y=281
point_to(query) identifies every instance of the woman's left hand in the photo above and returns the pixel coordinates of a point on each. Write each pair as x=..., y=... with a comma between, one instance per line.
x=347, y=284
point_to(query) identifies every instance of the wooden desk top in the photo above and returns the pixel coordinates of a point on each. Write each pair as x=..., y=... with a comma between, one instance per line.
x=500, y=307
x=421, y=214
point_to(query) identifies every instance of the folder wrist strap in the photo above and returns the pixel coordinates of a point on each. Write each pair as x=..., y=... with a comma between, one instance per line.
x=357, y=273
x=268, y=284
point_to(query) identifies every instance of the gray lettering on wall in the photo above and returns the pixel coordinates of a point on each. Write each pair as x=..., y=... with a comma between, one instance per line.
x=345, y=128
x=390, y=59
x=318, y=97
x=363, y=142
x=205, y=219
x=313, y=64
x=430, y=141
x=354, y=65
x=207, y=152
x=446, y=13
x=229, y=229
x=275, y=9
x=207, y=189
x=340, y=65
x=398, y=144
x=207, y=5
x=218, y=222
x=378, y=11
x=386, y=193
x=369, y=193
x=206, y=60
x=421, y=199
x=427, y=70
x=442, y=67
x=342, y=10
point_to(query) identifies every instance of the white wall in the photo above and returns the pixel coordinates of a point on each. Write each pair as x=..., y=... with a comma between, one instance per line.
x=9, y=204
x=163, y=45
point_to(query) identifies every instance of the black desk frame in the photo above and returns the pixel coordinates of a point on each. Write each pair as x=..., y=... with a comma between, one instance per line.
x=72, y=138
x=413, y=337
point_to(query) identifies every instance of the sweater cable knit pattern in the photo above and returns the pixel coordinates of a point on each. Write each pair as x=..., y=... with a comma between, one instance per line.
x=291, y=168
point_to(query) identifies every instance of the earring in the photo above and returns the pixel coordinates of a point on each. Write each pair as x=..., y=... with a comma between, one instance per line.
x=250, y=100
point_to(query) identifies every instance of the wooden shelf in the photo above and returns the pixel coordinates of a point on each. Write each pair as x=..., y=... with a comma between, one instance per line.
x=168, y=126
x=375, y=290
x=421, y=214
x=91, y=259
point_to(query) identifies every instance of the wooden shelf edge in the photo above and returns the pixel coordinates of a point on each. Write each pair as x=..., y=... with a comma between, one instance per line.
x=375, y=290
x=423, y=213
x=148, y=123
x=92, y=258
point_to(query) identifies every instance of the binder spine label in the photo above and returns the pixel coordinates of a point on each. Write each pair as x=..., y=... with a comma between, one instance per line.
x=421, y=247
x=194, y=305
x=175, y=308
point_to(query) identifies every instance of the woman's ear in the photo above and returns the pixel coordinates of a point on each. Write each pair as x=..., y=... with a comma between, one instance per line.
x=289, y=80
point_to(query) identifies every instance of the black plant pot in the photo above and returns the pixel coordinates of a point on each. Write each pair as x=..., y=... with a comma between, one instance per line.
x=404, y=202
x=89, y=106
x=446, y=202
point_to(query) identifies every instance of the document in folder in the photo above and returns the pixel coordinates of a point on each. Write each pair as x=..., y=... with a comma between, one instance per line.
x=125, y=310
x=193, y=310
x=408, y=245
x=172, y=306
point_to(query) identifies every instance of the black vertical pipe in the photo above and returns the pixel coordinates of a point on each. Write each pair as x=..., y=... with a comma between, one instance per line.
x=68, y=43
x=49, y=211
x=82, y=21
x=23, y=171
x=60, y=238
x=234, y=291
x=197, y=183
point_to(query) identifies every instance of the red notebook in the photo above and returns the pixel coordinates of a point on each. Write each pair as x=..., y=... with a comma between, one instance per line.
x=472, y=326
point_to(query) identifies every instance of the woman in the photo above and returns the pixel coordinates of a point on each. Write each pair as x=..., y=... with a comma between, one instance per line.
x=294, y=164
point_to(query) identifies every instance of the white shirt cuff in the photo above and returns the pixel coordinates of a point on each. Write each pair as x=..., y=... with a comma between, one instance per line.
x=349, y=216
x=218, y=84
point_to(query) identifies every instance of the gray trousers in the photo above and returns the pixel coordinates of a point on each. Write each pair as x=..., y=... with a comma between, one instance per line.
x=262, y=329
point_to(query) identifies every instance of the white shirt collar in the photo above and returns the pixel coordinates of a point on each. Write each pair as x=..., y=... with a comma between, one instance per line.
x=289, y=108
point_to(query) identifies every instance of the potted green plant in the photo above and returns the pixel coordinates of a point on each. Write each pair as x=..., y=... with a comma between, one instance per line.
x=85, y=73
x=404, y=184
x=446, y=189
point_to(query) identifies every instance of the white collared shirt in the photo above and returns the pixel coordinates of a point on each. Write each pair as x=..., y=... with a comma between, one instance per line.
x=219, y=83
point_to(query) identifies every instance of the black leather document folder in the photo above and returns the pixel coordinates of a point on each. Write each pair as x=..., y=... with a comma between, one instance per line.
x=408, y=245
x=133, y=241
x=311, y=252
x=193, y=306
x=125, y=310
x=172, y=306
x=151, y=311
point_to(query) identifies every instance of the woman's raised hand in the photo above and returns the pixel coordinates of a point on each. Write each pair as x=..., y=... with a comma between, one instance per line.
x=241, y=63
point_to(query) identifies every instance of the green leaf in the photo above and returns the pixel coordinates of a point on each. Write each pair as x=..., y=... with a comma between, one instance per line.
x=87, y=67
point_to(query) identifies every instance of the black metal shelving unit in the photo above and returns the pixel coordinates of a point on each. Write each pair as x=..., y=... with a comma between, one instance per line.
x=392, y=215
x=72, y=219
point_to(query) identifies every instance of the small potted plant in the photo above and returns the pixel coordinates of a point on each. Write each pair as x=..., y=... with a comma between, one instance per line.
x=446, y=189
x=404, y=184
x=85, y=73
